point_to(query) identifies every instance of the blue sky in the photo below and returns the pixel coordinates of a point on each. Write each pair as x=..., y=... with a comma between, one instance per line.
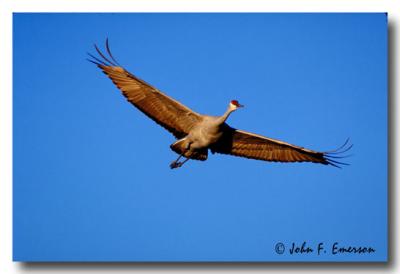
x=91, y=173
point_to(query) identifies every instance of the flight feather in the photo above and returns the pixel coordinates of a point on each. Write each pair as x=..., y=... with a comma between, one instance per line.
x=167, y=112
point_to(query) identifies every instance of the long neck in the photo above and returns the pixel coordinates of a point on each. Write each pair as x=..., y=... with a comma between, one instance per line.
x=225, y=116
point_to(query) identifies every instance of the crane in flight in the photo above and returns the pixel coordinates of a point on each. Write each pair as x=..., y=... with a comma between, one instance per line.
x=197, y=133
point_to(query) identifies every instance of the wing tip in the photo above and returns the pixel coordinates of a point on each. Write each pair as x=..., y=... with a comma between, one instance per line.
x=103, y=60
x=331, y=157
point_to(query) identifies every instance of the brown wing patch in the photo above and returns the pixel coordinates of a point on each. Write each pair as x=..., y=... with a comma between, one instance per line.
x=253, y=146
x=165, y=111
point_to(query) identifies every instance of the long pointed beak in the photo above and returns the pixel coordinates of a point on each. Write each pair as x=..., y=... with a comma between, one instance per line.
x=241, y=106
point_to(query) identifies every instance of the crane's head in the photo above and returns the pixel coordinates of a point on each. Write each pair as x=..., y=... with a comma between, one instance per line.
x=234, y=105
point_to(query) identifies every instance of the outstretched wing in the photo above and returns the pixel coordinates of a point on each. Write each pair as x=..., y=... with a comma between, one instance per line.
x=165, y=111
x=245, y=144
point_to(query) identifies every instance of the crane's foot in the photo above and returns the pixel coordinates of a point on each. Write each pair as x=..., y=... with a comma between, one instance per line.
x=175, y=164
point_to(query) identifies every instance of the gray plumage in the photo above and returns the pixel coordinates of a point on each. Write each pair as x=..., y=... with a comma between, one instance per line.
x=198, y=133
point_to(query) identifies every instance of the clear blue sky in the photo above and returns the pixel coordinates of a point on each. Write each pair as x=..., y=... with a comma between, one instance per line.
x=91, y=173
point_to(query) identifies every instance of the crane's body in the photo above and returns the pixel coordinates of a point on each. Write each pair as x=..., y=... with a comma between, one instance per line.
x=205, y=133
x=196, y=133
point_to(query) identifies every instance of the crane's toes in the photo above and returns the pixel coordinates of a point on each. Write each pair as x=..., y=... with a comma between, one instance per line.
x=175, y=164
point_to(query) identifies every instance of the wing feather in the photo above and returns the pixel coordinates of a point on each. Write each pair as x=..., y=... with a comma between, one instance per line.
x=249, y=145
x=167, y=112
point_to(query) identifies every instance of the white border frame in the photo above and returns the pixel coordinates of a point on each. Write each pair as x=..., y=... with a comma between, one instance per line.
x=8, y=7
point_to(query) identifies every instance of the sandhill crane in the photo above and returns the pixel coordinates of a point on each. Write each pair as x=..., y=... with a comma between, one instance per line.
x=196, y=133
